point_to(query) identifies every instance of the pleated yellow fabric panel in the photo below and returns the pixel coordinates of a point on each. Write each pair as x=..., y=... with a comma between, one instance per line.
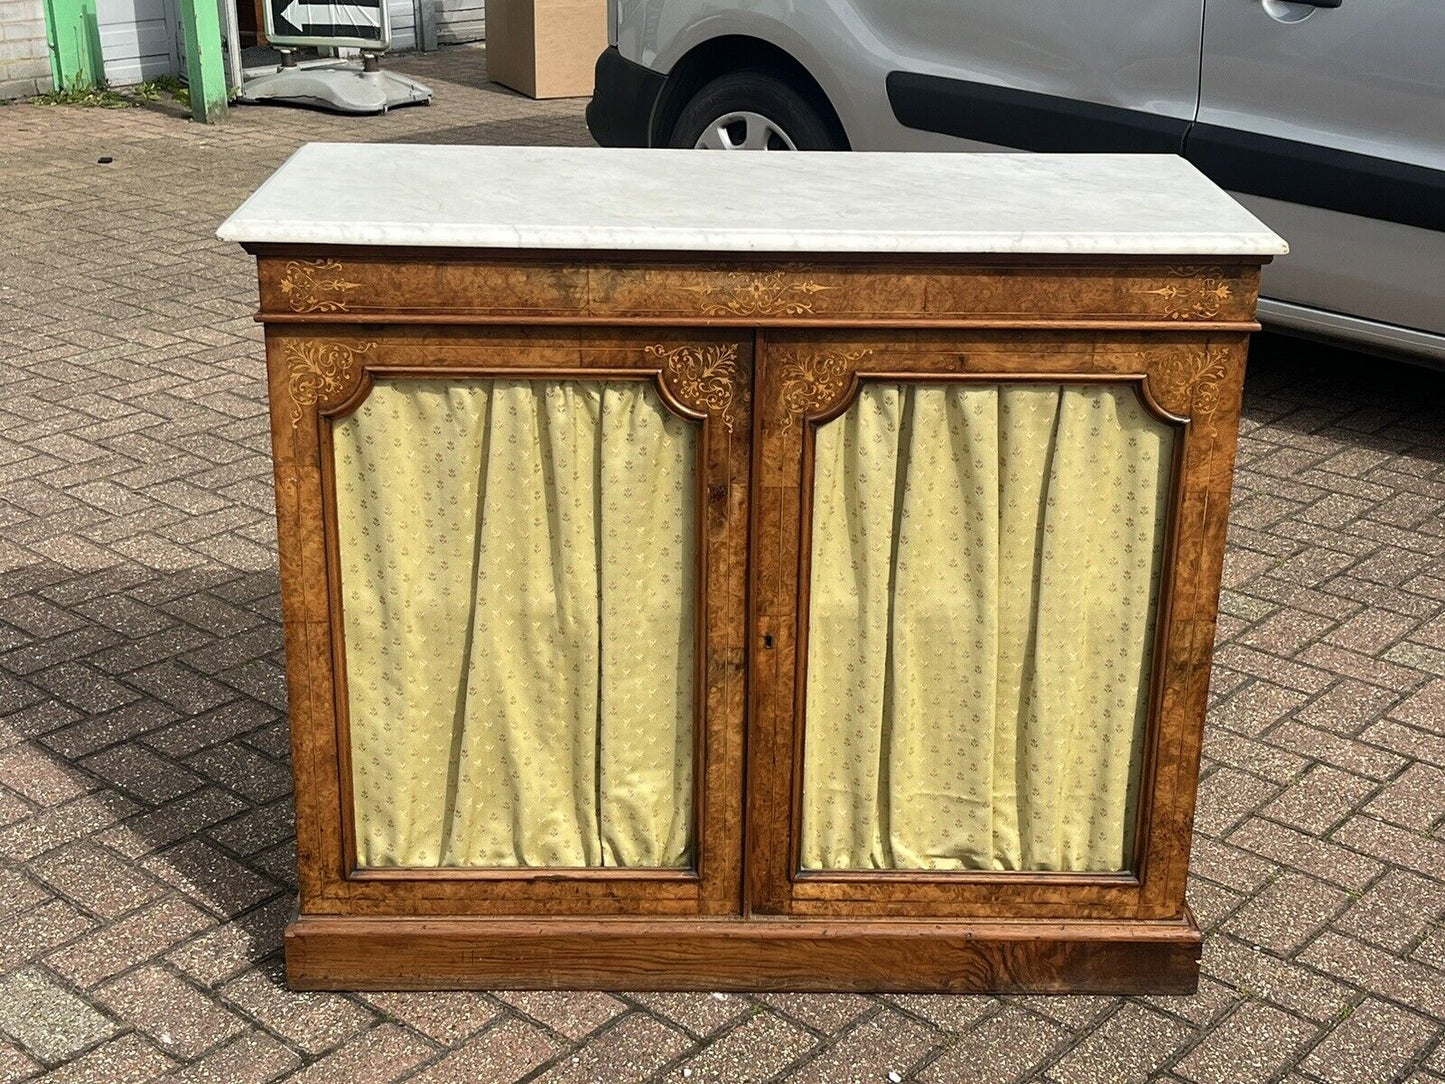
x=985, y=567
x=519, y=596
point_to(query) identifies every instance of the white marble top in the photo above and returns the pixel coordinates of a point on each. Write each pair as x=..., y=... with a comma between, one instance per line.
x=678, y=200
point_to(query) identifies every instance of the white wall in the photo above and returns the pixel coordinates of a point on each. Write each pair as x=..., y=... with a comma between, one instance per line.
x=137, y=39
x=24, y=54
x=460, y=20
x=403, y=25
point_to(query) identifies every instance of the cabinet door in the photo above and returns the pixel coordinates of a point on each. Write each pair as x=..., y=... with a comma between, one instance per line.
x=514, y=570
x=985, y=571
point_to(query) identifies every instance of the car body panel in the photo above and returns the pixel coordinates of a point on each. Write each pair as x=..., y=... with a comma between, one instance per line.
x=1359, y=79
x=1354, y=79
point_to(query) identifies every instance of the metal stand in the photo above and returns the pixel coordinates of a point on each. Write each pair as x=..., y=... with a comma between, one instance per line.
x=339, y=86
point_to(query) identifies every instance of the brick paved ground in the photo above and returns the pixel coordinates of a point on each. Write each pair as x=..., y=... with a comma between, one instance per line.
x=145, y=836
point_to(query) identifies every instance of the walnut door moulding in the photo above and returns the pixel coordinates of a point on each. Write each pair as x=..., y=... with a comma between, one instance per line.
x=759, y=352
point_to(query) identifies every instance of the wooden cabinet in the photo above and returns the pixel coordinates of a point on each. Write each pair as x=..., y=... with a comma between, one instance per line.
x=876, y=594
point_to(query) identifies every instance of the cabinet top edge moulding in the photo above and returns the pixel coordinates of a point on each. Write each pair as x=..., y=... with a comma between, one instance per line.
x=555, y=198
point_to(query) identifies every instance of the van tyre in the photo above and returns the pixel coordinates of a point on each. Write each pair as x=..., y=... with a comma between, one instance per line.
x=753, y=110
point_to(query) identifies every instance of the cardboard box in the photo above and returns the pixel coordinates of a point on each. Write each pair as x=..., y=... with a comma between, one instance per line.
x=545, y=48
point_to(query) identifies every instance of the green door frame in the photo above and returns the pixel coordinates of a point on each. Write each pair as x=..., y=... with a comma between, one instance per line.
x=205, y=64
x=74, y=40
x=76, y=62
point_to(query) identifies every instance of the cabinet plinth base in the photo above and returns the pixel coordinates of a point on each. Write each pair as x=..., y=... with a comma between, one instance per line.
x=1041, y=956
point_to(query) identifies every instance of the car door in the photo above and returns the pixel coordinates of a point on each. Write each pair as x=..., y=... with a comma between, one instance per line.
x=1325, y=118
x=1047, y=75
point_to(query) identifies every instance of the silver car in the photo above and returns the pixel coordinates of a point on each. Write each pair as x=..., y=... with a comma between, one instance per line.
x=1327, y=118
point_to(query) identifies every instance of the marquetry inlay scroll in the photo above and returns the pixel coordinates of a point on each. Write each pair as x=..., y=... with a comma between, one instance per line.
x=315, y=285
x=1185, y=381
x=757, y=293
x=703, y=378
x=1201, y=294
x=320, y=372
x=814, y=381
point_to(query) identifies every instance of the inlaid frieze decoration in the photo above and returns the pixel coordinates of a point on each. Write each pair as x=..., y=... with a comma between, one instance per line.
x=315, y=285
x=787, y=291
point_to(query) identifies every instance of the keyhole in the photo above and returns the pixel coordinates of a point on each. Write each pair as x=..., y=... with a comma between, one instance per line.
x=768, y=640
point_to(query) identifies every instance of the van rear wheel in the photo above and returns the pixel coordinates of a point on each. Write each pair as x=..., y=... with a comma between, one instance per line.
x=752, y=111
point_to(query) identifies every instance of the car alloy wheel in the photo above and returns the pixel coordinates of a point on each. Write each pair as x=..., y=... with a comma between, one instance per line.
x=744, y=131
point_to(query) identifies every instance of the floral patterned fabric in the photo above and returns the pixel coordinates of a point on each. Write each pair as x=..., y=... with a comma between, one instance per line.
x=519, y=594
x=985, y=568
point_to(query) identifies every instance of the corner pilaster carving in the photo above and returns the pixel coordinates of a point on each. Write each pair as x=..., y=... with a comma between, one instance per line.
x=1185, y=381
x=703, y=378
x=320, y=372
x=812, y=383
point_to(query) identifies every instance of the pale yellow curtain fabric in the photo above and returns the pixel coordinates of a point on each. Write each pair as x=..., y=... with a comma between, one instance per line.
x=984, y=572
x=518, y=588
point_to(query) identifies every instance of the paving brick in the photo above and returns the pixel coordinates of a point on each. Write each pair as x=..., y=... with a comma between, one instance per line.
x=40, y=778
x=35, y=930
x=1421, y=987
x=25, y=838
x=98, y=879
x=1414, y=799
x=253, y=1058
x=1424, y=708
x=1256, y=757
x=1226, y=797
x=1210, y=1002
x=1319, y=799
x=1371, y=631
x=49, y=1021
x=1288, y=913
x=223, y=951
x=142, y=774
x=1305, y=853
x=500, y=1055
x=178, y=1017
x=756, y=1050
x=210, y=877
x=1406, y=740
x=632, y=1050
x=700, y=1014
x=1366, y=668
x=1371, y=1046
x=1077, y=1011
x=1130, y=1046
x=572, y=1015
x=1230, y=866
x=1006, y=1047
x=15, y=1064
x=1419, y=851
x=384, y=1054
x=1252, y=1044
x=883, y=1044
x=446, y=1016
x=827, y=1013
x=126, y=1060
x=133, y=939
x=946, y=1011
x=1285, y=983
x=311, y=1022
x=1333, y=749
